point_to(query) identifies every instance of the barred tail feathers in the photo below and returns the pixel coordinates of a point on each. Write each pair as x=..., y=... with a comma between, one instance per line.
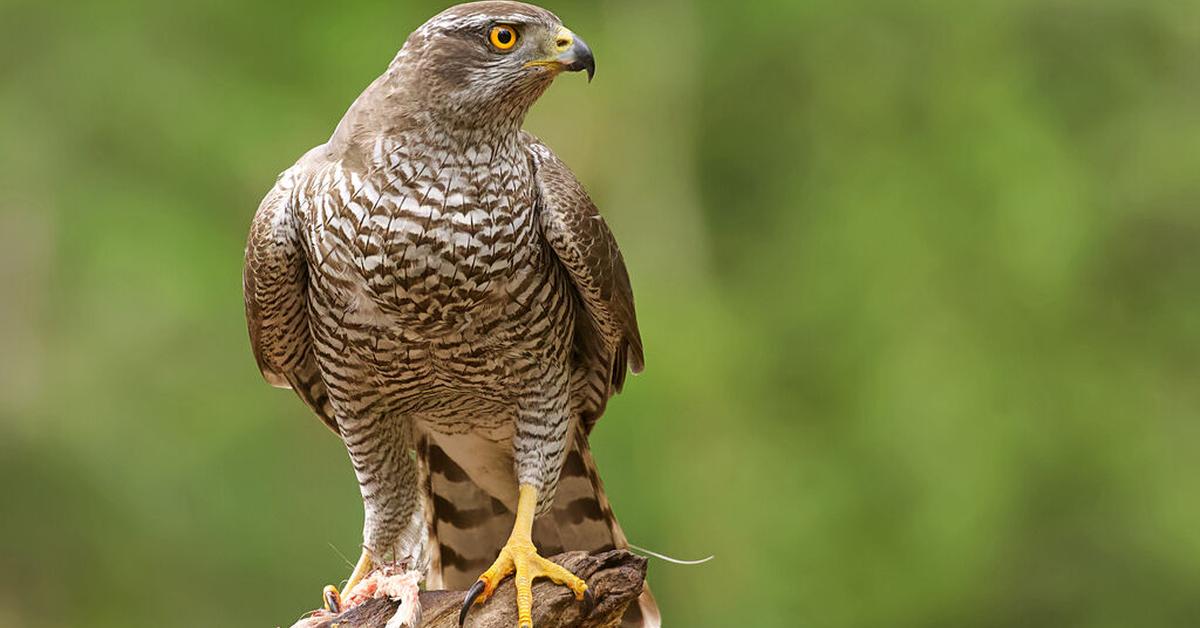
x=582, y=519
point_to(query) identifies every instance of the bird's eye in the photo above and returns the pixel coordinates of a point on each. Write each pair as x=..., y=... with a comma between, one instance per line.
x=503, y=37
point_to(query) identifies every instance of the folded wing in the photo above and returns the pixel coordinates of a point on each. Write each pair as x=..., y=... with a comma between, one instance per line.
x=275, y=286
x=607, y=341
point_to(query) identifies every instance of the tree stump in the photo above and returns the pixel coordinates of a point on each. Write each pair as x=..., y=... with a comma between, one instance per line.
x=615, y=578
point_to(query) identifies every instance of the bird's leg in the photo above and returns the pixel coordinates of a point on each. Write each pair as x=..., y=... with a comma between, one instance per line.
x=520, y=556
x=361, y=569
x=380, y=450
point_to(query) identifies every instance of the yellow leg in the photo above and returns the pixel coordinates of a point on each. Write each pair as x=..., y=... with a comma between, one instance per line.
x=520, y=556
x=361, y=570
x=333, y=599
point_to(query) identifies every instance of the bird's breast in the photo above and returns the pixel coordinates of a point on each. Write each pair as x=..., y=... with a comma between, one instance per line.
x=433, y=248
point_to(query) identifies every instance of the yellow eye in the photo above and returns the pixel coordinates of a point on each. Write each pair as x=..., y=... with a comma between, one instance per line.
x=503, y=37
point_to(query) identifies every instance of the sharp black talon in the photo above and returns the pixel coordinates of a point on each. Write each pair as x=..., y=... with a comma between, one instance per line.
x=333, y=601
x=472, y=594
x=589, y=602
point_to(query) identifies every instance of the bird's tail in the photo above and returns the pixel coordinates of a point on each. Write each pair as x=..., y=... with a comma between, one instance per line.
x=582, y=519
x=468, y=526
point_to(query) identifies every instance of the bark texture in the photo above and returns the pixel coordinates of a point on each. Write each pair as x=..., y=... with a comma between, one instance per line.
x=614, y=577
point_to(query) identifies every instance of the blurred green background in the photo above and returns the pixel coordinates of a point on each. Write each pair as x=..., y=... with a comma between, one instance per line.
x=919, y=283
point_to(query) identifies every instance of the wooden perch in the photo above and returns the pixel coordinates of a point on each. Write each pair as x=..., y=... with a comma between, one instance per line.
x=614, y=577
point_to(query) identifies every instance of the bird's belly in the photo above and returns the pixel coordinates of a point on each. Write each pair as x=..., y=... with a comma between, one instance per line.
x=454, y=411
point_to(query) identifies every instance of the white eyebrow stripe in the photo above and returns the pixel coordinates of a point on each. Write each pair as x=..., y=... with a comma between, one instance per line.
x=454, y=23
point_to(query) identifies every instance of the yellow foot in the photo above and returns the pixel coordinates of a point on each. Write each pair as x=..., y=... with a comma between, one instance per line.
x=335, y=602
x=520, y=556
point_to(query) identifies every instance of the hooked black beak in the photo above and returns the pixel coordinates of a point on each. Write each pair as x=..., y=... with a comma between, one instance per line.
x=574, y=53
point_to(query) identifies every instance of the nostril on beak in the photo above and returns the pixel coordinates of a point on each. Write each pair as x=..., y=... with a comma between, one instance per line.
x=563, y=43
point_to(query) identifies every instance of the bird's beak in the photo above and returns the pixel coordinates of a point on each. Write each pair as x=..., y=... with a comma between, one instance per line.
x=574, y=54
x=571, y=54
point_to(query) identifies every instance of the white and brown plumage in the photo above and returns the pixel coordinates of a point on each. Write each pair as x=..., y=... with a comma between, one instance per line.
x=438, y=287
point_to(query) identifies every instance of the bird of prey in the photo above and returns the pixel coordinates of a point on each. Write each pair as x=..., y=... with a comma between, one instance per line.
x=436, y=285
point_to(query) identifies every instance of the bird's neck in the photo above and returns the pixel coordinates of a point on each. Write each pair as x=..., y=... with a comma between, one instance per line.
x=408, y=123
x=469, y=152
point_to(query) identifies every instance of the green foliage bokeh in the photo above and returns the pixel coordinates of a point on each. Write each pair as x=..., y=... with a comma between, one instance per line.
x=919, y=284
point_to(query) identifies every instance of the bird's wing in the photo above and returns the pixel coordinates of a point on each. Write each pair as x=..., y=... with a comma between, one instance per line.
x=606, y=339
x=275, y=285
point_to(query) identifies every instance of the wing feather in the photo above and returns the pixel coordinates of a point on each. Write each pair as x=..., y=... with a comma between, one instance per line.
x=607, y=341
x=275, y=285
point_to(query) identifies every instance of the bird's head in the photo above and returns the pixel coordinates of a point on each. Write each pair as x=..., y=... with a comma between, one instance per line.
x=487, y=62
